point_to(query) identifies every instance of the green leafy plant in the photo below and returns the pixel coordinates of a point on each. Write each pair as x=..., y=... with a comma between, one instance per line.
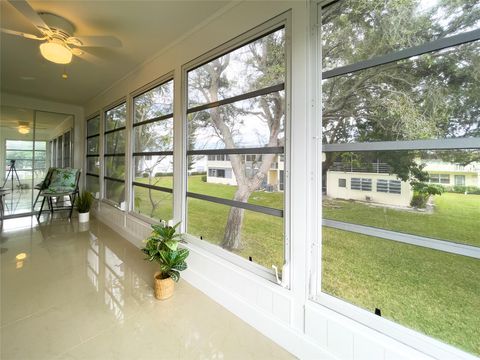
x=421, y=193
x=162, y=246
x=84, y=202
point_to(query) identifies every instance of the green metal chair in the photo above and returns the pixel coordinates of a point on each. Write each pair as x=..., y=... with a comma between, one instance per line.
x=43, y=184
x=63, y=182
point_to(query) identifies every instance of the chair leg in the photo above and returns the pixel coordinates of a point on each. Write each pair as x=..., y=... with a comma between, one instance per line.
x=41, y=209
x=50, y=204
x=36, y=199
x=72, y=201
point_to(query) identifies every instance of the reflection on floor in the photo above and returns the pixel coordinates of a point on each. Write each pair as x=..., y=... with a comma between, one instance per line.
x=82, y=292
x=19, y=201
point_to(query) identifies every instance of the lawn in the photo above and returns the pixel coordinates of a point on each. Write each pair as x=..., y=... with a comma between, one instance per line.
x=430, y=291
x=427, y=290
x=456, y=217
x=262, y=234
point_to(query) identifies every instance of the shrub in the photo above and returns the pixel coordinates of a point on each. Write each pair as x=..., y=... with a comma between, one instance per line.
x=159, y=174
x=462, y=189
x=421, y=193
x=204, y=178
x=419, y=200
x=145, y=175
x=427, y=189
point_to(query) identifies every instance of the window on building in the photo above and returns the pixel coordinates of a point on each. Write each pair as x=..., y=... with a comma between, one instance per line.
x=382, y=81
x=389, y=186
x=440, y=178
x=342, y=183
x=114, y=155
x=92, y=173
x=153, y=152
x=219, y=173
x=243, y=117
x=362, y=184
x=460, y=180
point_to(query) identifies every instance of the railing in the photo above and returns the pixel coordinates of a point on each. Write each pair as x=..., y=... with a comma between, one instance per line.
x=378, y=168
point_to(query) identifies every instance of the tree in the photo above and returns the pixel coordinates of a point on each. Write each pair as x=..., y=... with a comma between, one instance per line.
x=435, y=95
x=153, y=137
x=261, y=64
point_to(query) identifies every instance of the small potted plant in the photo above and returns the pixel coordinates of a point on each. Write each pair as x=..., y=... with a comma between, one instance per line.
x=84, y=202
x=162, y=246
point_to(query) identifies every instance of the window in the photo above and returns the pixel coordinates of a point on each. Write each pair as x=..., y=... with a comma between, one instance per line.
x=389, y=186
x=440, y=178
x=460, y=180
x=342, y=183
x=67, y=149
x=20, y=154
x=220, y=173
x=114, y=155
x=382, y=80
x=92, y=173
x=59, y=159
x=236, y=115
x=361, y=184
x=153, y=152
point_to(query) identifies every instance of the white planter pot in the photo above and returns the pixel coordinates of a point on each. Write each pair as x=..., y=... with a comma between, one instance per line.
x=83, y=217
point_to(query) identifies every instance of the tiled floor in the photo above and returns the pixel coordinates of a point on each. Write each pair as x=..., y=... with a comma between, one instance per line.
x=83, y=292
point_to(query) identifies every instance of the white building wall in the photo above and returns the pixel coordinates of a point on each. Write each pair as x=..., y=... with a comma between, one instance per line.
x=471, y=179
x=230, y=178
x=346, y=193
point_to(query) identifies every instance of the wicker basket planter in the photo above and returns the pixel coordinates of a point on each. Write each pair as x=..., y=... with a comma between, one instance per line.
x=163, y=287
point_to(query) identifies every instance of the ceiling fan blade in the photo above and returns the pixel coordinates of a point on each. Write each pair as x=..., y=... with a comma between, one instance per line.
x=91, y=58
x=95, y=41
x=19, y=33
x=76, y=51
x=27, y=11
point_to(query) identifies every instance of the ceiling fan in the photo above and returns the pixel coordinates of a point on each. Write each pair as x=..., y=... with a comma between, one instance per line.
x=58, y=43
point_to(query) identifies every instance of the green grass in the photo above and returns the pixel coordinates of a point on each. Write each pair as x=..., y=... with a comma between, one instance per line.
x=427, y=290
x=262, y=235
x=456, y=217
x=430, y=291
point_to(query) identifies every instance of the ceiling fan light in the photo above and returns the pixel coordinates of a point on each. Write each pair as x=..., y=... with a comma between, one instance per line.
x=56, y=52
x=23, y=129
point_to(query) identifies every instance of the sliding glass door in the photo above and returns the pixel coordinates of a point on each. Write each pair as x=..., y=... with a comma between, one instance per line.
x=30, y=144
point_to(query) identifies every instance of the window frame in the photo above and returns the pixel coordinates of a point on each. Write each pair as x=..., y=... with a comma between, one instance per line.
x=105, y=132
x=140, y=91
x=97, y=135
x=277, y=23
x=316, y=297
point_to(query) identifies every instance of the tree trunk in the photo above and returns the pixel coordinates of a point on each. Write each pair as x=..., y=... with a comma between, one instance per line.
x=232, y=239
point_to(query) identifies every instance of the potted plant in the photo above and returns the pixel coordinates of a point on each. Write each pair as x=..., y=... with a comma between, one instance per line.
x=162, y=246
x=84, y=202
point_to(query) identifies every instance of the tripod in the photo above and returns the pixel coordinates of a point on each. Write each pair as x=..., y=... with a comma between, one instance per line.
x=12, y=172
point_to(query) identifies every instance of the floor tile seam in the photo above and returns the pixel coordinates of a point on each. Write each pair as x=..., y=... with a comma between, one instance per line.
x=86, y=340
x=34, y=314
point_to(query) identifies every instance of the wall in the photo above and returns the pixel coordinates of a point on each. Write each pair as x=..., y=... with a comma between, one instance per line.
x=336, y=192
x=305, y=328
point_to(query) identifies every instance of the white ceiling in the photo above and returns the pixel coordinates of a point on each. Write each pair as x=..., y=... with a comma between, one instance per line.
x=144, y=27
